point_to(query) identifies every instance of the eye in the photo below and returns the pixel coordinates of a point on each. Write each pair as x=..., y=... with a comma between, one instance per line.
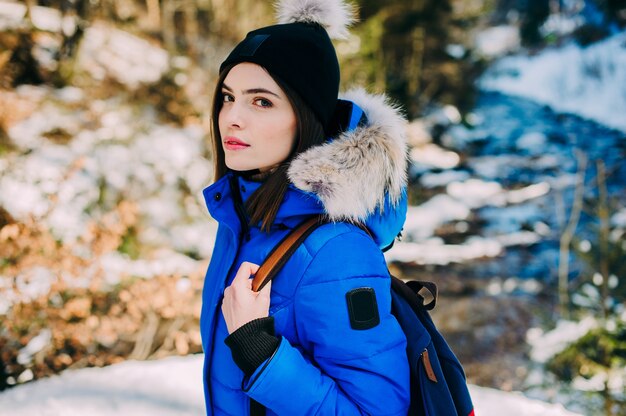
x=227, y=98
x=263, y=102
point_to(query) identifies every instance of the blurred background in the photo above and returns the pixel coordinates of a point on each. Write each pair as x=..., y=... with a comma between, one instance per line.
x=517, y=112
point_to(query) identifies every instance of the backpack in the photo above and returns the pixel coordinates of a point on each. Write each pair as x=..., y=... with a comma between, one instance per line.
x=438, y=384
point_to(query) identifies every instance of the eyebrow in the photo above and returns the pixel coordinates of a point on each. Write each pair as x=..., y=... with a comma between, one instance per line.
x=253, y=91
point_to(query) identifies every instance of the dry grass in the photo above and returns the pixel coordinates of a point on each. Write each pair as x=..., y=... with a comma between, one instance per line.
x=99, y=324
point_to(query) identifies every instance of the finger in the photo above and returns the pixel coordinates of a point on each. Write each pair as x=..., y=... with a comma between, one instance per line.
x=246, y=270
x=266, y=291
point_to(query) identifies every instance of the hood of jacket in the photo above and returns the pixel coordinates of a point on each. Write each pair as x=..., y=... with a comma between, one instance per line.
x=361, y=175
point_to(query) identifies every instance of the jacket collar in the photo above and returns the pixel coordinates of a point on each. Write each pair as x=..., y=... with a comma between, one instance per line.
x=220, y=202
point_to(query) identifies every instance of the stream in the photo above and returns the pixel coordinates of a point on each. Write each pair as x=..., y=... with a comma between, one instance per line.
x=517, y=143
x=487, y=304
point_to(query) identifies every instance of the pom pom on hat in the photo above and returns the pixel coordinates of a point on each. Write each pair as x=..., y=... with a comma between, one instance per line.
x=334, y=15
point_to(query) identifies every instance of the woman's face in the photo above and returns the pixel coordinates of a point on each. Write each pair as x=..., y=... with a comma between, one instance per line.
x=257, y=123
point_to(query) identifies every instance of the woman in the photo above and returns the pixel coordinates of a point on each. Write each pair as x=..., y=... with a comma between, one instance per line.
x=320, y=339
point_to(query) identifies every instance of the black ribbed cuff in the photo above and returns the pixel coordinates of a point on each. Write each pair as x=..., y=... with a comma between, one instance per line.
x=253, y=343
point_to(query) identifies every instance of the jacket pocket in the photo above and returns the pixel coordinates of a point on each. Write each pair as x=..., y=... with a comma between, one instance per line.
x=432, y=396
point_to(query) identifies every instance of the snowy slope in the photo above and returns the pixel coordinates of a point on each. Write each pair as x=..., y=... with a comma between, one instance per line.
x=590, y=82
x=173, y=386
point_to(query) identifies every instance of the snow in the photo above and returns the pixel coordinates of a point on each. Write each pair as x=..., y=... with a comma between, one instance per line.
x=498, y=40
x=34, y=282
x=560, y=24
x=490, y=402
x=193, y=237
x=173, y=386
x=108, y=51
x=527, y=193
x=461, y=198
x=456, y=51
x=586, y=81
x=619, y=218
x=432, y=180
x=124, y=155
x=166, y=262
x=11, y=15
x=423, y=220
x=43, y=18
x=433, y=251
x=520, y=238
x=597, y=383
x=475, y=192
x=35, y=345
x=498, y=286
x=46, y=18
x=511, y=219
x=434, y=156
x=546, y=345
x=532, y=143
x=500, y=166
x=8, y=295
x=149, y=168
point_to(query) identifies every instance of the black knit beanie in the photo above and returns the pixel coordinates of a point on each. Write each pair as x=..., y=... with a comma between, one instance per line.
x=300, y=52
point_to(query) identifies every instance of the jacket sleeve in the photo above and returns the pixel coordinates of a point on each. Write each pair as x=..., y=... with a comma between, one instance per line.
x=338, y=369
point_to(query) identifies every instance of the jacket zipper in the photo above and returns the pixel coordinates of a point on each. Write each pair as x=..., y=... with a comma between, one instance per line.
x=240, y=209
x=430, y=373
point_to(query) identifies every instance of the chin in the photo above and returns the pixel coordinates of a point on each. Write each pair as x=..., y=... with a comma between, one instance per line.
x=241, y=167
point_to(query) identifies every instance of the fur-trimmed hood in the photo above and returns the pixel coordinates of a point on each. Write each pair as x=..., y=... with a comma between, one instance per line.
x=362, y=170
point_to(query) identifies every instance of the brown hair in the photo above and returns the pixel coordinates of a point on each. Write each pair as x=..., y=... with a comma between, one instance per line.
x=263, y=204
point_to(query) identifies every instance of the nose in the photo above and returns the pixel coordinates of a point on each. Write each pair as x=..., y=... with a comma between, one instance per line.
x=231, y=115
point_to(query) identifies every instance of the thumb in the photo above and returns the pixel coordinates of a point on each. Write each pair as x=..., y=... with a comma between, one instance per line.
x=246, y=270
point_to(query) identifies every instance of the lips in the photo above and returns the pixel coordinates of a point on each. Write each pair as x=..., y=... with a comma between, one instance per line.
x=233, y=143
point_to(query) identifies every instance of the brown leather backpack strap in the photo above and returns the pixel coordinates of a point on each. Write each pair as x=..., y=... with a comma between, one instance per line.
x=281, y=253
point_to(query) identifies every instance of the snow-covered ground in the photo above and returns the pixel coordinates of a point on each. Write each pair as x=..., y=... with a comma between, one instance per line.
x=461, y=196
x=590, y=82
x=173, y=386
x=544, y=345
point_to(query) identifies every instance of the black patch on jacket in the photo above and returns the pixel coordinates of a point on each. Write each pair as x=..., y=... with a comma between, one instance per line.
x=362, y=308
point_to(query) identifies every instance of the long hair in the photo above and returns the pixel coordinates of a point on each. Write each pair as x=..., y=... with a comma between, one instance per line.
x=263, y=204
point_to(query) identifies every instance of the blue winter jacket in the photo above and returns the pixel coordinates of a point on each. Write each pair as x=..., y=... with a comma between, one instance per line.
x=323, y=366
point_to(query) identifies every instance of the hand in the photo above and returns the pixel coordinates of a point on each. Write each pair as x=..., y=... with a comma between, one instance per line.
x=241, y=305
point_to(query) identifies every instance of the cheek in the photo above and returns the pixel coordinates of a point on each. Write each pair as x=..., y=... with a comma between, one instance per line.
x=290, y=132
x=287, y=140
x=220, y=121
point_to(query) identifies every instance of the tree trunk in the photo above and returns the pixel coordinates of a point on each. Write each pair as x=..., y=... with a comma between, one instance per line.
x=168, y=11
x=154, y=14
x=568, y=235
x=603, y=255
x=29, y=10
x=191, y=27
